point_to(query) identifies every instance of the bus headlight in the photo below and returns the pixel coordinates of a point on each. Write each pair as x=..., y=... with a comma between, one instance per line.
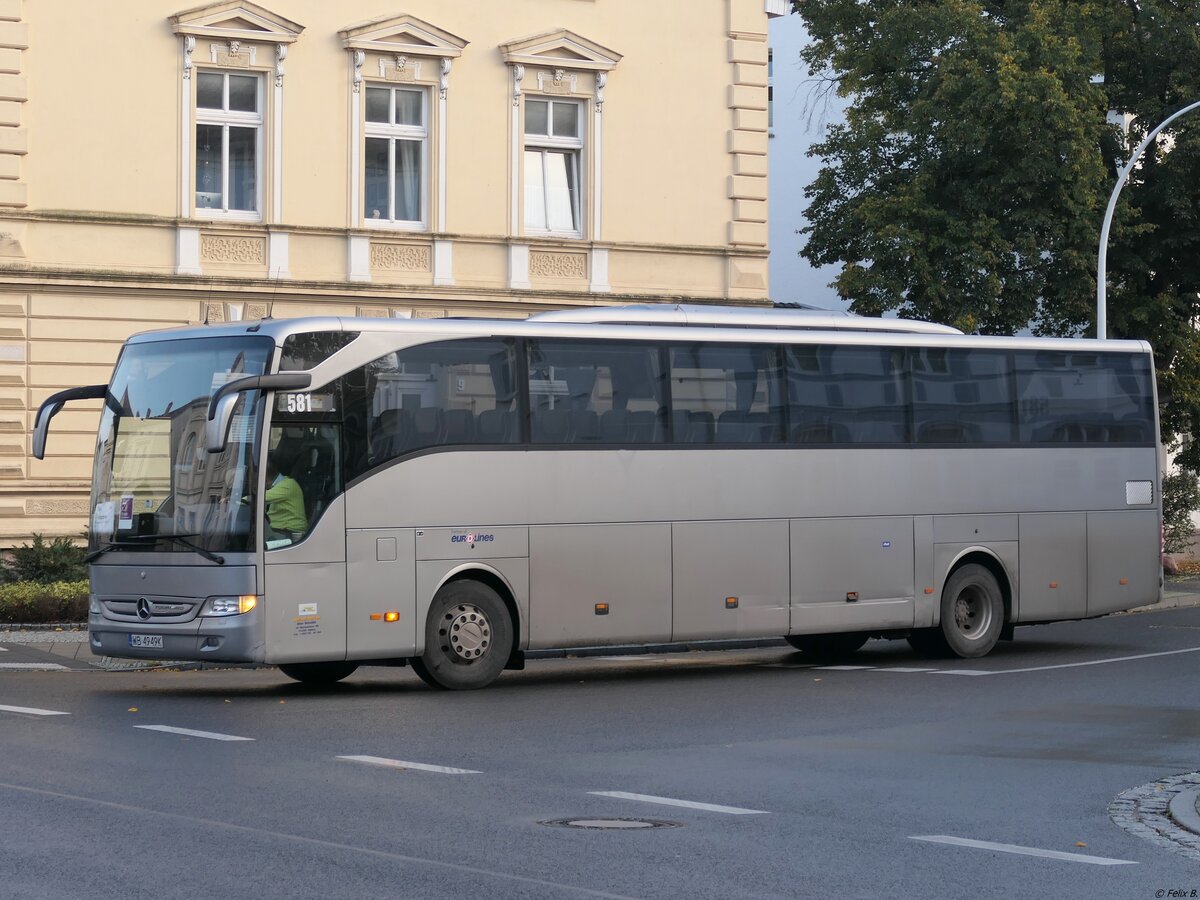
x=229, y=606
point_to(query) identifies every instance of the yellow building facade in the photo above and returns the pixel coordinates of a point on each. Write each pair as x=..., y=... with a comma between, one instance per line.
x=163, y=165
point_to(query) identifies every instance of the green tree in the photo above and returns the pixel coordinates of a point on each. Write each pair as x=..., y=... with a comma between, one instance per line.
x=964, y=185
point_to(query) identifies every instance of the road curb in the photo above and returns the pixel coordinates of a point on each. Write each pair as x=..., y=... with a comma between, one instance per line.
x=1183, y=809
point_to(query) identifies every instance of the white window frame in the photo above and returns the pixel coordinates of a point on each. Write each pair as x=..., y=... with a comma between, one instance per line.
x=393, y=133
x=226, y=118
x=575, y=146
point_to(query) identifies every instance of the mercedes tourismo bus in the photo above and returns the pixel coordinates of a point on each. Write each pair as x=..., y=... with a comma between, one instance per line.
x=324, y=493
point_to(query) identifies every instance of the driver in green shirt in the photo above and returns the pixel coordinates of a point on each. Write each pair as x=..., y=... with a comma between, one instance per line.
x=285, y=501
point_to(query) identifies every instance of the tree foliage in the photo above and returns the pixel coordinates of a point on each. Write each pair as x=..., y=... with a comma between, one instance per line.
x=980, y=147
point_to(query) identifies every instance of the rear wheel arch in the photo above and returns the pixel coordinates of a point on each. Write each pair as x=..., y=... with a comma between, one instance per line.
x=981, y=557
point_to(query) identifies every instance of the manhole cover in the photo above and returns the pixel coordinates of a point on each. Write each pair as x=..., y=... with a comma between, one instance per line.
x=611, y=823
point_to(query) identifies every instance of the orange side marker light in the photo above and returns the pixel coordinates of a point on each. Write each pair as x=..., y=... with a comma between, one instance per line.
x=391, y=617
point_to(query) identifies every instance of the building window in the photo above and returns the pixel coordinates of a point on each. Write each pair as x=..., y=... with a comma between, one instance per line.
x=553, y=150
x=770, y=91
x=397, y=142
x=229, y=123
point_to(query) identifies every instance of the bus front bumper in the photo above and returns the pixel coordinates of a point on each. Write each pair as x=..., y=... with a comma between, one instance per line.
x=228, y=639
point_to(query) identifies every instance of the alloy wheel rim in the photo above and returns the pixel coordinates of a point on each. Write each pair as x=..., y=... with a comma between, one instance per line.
x=972, y=613
x=466, y=633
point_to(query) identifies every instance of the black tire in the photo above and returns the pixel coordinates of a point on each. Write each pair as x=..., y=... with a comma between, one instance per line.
x=929, y=643
x=972, y=612
x=468, y=638
x=828, y=646
x=319, y=674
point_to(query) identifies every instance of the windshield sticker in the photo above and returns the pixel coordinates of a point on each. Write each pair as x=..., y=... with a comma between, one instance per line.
x=239, y=429
x=126, y=520
x=102, y=517
x=220, y=378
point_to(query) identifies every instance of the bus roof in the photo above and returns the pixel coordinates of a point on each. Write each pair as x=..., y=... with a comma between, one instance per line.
x=537, y=326
x=737, y=317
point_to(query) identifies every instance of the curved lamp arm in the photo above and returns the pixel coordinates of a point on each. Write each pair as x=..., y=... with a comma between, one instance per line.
x=1122, y=177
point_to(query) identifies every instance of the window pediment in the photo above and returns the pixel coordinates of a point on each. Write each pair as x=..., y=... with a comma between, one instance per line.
x=236, y=20
x=558, y=49
x=403, y=35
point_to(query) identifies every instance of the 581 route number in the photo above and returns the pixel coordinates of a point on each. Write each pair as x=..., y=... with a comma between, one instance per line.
x=299, y=403
x=305, y=402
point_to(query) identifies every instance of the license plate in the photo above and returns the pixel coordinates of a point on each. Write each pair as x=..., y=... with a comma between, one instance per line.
x=149, y=641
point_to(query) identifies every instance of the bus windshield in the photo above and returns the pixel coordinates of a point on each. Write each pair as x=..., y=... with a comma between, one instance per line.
x=155, y=487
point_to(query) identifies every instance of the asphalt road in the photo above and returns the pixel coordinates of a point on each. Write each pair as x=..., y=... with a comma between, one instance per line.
x=803, y=782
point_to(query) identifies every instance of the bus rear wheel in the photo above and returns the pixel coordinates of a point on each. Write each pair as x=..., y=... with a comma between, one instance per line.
x=827, y=646
x=468, y=638
x=972, y=616
x=319, y=674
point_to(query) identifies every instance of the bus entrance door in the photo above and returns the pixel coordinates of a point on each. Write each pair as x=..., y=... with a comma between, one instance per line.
x=306, y=593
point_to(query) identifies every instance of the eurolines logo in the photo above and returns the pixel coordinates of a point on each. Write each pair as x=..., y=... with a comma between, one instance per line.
x=471, y=538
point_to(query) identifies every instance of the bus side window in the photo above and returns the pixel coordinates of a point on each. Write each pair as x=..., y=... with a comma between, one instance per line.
x=724, y=393
x=1083, y=398
x=451, y=393
x=595, y=392
x=962, y=397
x=847, y=395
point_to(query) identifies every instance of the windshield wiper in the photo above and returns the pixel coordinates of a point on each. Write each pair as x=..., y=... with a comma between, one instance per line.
x=142, y=540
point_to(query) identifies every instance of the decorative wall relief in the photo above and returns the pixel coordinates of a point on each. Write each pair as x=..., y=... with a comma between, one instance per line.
x=246, y=251
x=214, y=312
x=57, y=506
x=557, y=82
x=257, y=310
x=372, y=312
x=406, y=257
x=232, y=54
x=557, y=265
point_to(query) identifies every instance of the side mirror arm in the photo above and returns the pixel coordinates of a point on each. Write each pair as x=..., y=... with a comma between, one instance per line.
x=51, y=406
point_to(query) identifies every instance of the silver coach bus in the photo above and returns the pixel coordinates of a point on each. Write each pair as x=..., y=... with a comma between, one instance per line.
x=325, y=493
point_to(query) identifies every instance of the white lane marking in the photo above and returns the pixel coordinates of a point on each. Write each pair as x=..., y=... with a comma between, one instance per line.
x=3, y=649
x=41, y=667
x=844, y=668
x=1095, y=662
x=1074, y=665
x=629, y=658
x=29, y=711
x=1022, y=851
x=902, y=669
x=688, y=804
x=401, y=764
x=190, y=732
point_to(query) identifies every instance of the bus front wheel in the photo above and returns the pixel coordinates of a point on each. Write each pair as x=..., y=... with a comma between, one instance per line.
x=972, y=616
x=319, y=674
x=468, y=638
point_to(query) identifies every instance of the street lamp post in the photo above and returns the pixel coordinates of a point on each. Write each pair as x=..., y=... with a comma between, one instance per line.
x=1122, y=177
